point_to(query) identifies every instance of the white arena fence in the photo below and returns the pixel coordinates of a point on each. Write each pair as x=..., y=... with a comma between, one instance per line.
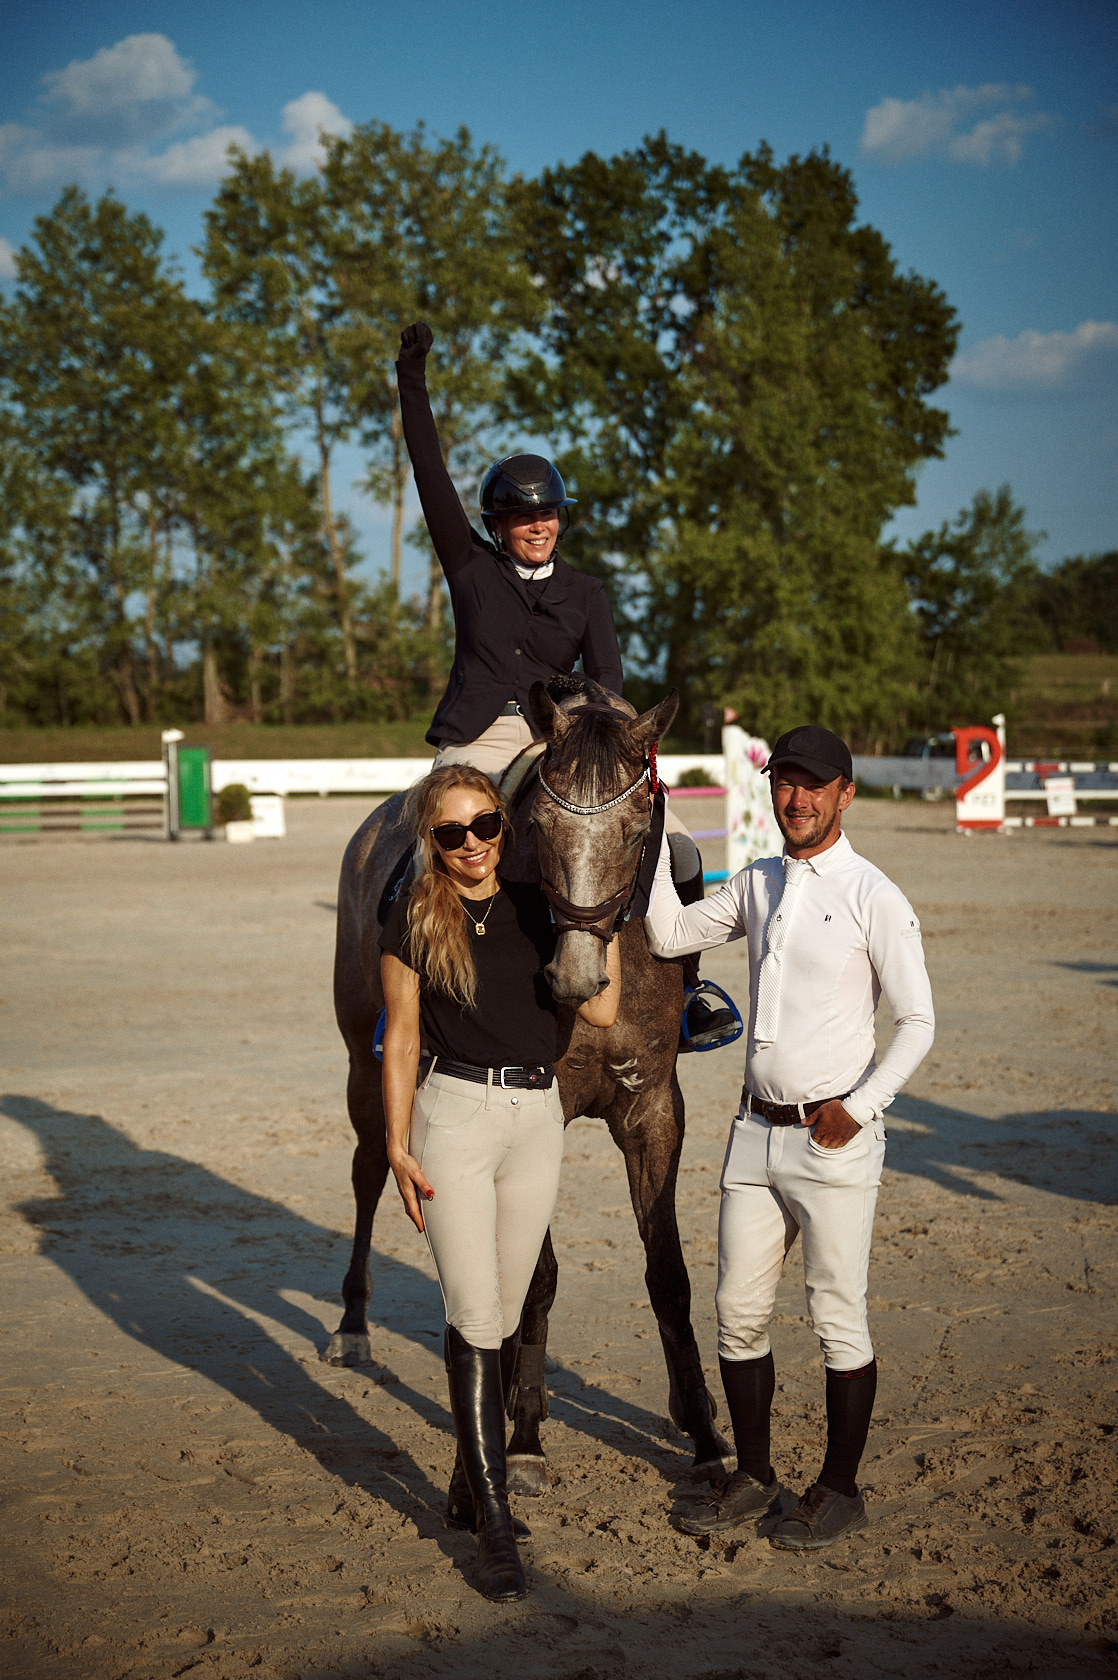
x=131, y=797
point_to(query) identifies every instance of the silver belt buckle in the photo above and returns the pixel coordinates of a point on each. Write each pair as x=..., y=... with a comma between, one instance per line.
x=502, y=1072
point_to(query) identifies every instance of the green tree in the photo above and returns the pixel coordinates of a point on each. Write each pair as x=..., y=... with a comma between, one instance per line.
x=92, y=347
x=421, y=229
x=973, y=585
x=269, y=256
x=1078, y=601
x=741, y=375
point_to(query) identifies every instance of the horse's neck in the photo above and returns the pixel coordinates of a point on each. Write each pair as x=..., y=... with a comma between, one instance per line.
x=520, y=861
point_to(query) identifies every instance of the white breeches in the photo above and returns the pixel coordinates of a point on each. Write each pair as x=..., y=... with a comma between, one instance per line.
x=777, y=1182
x=492, y=1158
x=494, y=749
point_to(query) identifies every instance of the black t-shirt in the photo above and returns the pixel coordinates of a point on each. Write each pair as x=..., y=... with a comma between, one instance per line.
x=513, y=1022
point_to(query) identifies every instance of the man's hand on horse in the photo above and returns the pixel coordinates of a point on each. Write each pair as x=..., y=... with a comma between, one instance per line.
x=415, y=341
x=410, y=1180
x=831, y=1126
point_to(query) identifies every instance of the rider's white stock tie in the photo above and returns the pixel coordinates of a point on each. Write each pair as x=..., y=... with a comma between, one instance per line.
x=776, y=935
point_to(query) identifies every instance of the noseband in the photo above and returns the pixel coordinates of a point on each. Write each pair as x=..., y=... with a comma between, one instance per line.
x=598, y=919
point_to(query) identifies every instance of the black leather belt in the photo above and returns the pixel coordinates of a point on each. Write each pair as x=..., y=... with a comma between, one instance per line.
x=537, y=1078
x=513, y=709
x=784, y=1114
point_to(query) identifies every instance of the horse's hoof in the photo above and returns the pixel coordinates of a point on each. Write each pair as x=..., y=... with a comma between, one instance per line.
x=347, y=1349
x=527, y=1475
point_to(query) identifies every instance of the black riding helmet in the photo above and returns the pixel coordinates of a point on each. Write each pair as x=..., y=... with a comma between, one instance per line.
x=521, y=483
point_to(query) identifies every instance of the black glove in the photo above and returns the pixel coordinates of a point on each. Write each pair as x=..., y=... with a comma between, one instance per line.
x=415, y=341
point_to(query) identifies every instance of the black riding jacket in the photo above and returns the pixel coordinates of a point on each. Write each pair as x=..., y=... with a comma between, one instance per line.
x=508, y=633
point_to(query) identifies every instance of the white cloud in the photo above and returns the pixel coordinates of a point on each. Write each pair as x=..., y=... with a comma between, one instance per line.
x=111, y=118
x=303, y=118
x=138, y=90
x=198, y=162
x=1036, y=363
x=898, y=130
x=7, y=260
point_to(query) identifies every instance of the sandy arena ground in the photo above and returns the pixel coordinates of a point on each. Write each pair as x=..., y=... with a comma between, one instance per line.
x=189, y=1490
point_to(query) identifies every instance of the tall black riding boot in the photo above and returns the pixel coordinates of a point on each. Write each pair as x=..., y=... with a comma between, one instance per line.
x=477, y=1406
x=459, y=1499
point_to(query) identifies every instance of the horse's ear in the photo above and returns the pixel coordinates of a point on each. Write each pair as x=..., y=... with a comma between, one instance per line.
x=651, y=726
x=551, y=721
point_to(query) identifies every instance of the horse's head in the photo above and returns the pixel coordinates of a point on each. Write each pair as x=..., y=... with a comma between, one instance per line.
x=591, y=815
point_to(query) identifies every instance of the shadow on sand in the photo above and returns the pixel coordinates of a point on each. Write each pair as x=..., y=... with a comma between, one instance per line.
x=1066, y=1151
x=195, y=1269
x=199, y=1270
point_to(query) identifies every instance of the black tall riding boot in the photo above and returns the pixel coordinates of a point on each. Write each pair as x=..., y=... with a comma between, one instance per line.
x=459, y=1499
x=477, y=1406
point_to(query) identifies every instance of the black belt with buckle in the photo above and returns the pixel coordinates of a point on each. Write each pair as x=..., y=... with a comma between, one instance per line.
x=784, y=1114
x=537, y=1078
x=512, y=709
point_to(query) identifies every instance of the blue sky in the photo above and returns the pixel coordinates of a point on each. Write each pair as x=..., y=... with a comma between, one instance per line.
x=983, y=140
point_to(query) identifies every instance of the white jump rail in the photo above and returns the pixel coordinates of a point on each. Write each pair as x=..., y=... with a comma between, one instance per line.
x=84, y=782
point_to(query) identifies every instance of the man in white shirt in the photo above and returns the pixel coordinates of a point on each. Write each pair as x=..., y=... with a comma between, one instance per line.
x=828, y=935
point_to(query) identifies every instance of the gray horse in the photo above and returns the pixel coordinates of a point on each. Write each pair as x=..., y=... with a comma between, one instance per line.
x=580, y=828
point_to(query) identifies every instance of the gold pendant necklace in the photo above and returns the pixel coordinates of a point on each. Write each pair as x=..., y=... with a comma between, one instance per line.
x=479, y=927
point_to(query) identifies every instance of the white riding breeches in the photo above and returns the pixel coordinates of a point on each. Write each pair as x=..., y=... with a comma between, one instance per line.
x=494, y=749
x=492, y=1157
x=777, y=1182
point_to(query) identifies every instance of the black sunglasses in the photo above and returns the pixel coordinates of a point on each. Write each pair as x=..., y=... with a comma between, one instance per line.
x=451, y=836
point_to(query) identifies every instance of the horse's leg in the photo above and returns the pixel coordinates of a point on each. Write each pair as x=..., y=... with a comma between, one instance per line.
x=527, y=1465
x=652, y=1149
x=349, y=1345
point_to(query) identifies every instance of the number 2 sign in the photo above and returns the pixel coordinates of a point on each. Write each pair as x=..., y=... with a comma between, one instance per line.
x=980, y=796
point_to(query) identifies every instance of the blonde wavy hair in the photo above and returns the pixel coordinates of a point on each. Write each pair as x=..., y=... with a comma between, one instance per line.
x=437, y=932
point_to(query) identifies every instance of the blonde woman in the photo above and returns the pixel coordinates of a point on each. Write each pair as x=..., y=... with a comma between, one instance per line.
x=476, y=1150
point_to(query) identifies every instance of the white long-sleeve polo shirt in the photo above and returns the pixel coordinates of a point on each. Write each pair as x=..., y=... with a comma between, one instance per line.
x=853, y=938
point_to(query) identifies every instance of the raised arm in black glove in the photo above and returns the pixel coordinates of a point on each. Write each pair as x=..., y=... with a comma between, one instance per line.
x=415, y=341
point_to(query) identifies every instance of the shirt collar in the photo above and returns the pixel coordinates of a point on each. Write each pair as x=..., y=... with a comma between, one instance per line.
x=823, y=862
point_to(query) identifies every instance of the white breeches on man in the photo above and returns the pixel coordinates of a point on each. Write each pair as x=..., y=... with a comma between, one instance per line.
x=777, y=1184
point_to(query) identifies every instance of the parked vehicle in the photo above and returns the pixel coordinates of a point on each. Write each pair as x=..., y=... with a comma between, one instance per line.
x=943, y=746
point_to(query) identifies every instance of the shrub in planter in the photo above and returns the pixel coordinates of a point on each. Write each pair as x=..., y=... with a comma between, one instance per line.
x=696, y=777
x=232, y=804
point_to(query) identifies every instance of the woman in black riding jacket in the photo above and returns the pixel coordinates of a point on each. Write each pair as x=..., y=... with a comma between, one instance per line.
x=521, y=614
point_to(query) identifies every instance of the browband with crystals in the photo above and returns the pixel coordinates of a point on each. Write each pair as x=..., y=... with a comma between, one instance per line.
x=591, y=810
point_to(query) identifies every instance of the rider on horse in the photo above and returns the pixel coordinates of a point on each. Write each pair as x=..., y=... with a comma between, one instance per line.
x=521, y=615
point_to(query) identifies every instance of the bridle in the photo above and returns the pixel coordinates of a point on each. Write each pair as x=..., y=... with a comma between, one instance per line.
x=598, y=919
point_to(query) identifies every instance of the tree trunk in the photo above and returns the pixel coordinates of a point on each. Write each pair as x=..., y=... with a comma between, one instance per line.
x=256, y=665
x=215, y=708
x=337, y=561
x=151, y=647
x=124, y=679
x=168, y=579
x=123, y=670
x=287, y=684
x=678, y=665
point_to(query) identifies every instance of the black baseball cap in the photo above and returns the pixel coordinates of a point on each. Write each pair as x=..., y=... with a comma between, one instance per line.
x=814, y=749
